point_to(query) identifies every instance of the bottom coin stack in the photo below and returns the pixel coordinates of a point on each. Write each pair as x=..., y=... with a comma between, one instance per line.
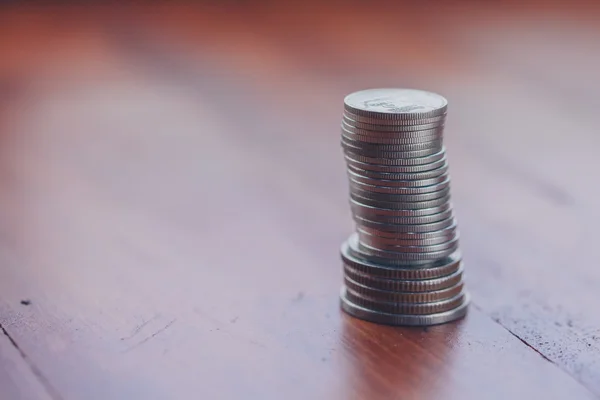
x=429, y=294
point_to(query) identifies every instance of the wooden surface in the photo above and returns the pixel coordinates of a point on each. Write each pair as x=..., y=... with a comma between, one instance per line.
x=173, y=198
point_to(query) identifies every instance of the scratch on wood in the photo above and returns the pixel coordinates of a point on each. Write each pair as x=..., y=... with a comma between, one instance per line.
x=298, y=297
x=525, y=342
x=164, y=328
x=222, y=327
x=258, y=344
x=138, y=328
x=50, y=390
x=499, y=322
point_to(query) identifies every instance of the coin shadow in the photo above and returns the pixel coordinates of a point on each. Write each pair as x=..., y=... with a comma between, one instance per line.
x=383, y=362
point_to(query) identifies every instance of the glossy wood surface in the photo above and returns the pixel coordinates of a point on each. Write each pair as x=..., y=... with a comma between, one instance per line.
x=173, y=198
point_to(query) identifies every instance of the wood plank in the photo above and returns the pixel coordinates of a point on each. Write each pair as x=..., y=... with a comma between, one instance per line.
x=177, y=236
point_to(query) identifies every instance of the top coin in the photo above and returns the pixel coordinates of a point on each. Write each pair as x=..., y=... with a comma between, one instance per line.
x=395, y=104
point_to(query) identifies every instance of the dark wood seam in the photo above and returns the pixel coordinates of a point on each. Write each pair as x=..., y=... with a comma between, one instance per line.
x=497, y=321
x=50, y=390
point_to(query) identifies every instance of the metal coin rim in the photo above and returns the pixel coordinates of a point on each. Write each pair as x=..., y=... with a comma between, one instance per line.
x=391, y=131
x=402, y=205
x=436, y=269
x=396, y=201
x=396, y=168
x=387, y=122
x=410, y=235
x=399, y=182
x=400, y=250
x=400, y=191
x=386, y=243
x=405, y=176
x=365, y=314
x=398, y=259
x=349, y=148
x=403, y=147
x=407, y=308
x=356, y=190
x=391, y=140
x=403, y=297
x=398, y=161
x=406, y=259
x=405, y=285
x=366, y=210
x=405, y=220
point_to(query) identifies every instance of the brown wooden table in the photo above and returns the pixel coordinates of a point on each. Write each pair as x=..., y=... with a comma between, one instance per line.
x=173, y=198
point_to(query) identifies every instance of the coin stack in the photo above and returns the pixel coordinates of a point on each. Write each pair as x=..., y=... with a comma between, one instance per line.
x=403, y=265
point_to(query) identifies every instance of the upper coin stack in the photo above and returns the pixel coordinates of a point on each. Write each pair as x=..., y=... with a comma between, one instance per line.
x=402, y=266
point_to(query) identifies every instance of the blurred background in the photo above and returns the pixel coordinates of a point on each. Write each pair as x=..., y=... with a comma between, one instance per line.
x=192, y=129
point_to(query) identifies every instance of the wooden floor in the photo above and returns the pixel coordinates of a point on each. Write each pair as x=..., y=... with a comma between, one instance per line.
x=173, y=198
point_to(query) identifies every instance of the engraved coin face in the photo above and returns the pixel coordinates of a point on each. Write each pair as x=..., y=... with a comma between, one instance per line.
x=407, y=102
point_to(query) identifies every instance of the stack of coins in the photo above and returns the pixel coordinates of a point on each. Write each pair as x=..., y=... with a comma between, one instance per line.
x=403, y=265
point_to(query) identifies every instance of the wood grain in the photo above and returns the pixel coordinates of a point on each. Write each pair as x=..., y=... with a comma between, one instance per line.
x=173, y=197
x=17, y=379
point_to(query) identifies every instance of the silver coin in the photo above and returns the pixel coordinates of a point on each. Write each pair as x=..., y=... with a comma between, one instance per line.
x=397, y=161
x=394, y=248
x=402, y=206
x=392, y=131
x=420, y=133
x=400, y=176
x=392, y=148
x=404, y=183
x=351, y=162
x=395, y=258
x=367, y=211
x=368, y=152
x=376, y=139
x=403, y=220
x=357, y=119
x=391, y=243
x=399, y=191
x=402, y=319
x=433, y=227
x=366, y=148
x=394, y=126
x=436, y=269
x=400, y=251
x=405, y=259
x=387, y=155
x=435, y=233
x=378, y=249
x=403, y=243
x=406, y=308
x=402, y=285
x=357, y=187
x=395, y=104
x=402, y=297
x=409, y=253
x=422, y=284
x=357, y=141
x=397, y=201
